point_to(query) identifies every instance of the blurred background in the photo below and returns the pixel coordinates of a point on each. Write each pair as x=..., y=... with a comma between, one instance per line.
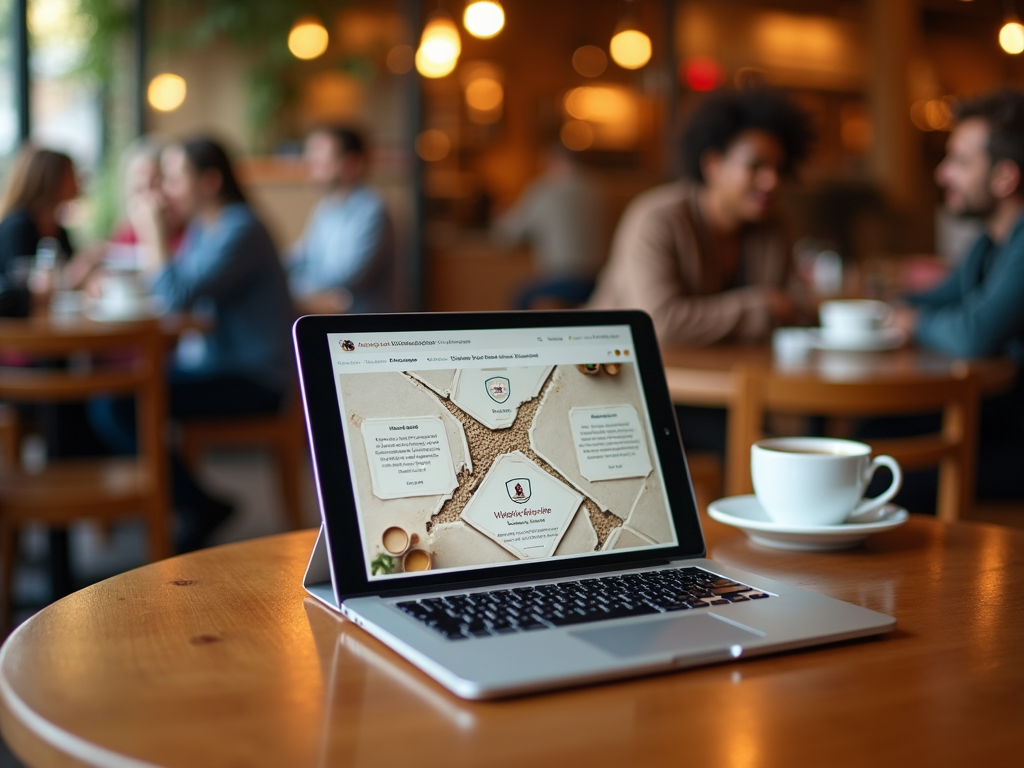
x=459, y=115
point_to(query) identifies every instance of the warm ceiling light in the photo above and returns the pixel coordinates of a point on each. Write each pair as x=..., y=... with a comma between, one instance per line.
x=433, y=145
x=589, y=61
x=485, y=94
x=598, y=103
x=440, y=46
x=484, y=18
x=166, y=92
x=308, y=38
x=630, y=48
x=1011, y=36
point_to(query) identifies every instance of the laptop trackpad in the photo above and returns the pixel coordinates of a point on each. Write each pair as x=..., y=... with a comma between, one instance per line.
x=685, y=633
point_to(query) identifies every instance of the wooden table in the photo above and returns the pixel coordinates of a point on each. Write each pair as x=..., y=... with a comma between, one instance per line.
x=173, y=325
x=704, y=376
x=217, y=659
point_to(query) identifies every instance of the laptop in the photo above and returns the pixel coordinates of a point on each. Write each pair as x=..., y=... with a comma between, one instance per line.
x=505, y=502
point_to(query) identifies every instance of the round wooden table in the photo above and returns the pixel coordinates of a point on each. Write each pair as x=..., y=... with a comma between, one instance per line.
x=218, y=658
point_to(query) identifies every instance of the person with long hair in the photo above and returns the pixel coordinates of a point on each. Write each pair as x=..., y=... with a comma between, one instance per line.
x=227, y=268
x=41, y=183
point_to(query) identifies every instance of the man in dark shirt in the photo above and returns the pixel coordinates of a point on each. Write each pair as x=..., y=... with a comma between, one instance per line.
x=979, y=310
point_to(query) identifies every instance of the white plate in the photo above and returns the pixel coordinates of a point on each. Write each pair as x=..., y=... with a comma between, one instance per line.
x=745, y=513
x=146, y=309
x=883, y=339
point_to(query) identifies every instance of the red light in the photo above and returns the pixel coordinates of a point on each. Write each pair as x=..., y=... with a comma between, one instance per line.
x=703, y=73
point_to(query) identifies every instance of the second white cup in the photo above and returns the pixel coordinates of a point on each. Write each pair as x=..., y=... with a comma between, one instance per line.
x=813, y=481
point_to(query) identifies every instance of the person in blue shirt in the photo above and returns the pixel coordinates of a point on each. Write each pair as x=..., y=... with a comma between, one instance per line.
x=344, y=260
x=227, y=268
x=979, y=310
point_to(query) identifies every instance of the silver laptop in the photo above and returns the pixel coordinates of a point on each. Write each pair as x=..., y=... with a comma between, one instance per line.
x=505, y=502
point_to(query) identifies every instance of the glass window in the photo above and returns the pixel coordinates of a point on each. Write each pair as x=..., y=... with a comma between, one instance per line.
x=8, y=83
x=65, y=103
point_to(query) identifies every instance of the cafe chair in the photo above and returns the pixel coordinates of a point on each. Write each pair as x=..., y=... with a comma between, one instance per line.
x=10, y=434
x=953, y=449
x=77, y=364
x=706, y=476
x=284, y=433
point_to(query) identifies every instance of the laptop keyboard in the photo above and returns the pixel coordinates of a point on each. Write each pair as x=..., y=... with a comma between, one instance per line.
x=524, y=609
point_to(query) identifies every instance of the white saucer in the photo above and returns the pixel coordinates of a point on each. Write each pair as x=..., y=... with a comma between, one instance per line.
x=745, y=513
x=881, y=340
x=146, y=309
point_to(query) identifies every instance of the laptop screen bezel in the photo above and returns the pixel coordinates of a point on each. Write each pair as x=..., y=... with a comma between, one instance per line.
x=335, y=490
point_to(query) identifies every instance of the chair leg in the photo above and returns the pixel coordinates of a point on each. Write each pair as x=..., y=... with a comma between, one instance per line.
x=9, y=555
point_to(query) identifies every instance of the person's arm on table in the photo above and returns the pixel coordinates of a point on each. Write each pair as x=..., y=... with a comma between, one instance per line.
x=981, y=318
x=334, y=302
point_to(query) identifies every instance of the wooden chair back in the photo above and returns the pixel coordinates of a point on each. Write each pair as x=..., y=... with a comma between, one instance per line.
x=283, y=433
x=76, y=363
x=760, y=391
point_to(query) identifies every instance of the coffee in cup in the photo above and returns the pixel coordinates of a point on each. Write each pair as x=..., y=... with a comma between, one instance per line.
x=853, y=321
x=396, y=540
x=815, y=481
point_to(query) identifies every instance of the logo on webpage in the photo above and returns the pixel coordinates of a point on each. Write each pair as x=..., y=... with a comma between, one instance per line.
x=498, y=388
x=518, y=490
x=348, y=345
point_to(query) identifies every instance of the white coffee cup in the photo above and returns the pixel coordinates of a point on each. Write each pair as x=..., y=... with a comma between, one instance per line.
x=853, y=320
x=813, y=481
x=791, y=345
x=121, y=294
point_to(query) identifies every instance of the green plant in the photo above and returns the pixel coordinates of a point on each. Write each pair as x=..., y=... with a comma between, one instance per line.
x=382, y=564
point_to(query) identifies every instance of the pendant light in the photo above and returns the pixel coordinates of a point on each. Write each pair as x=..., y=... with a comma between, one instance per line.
x=630, y=47
x=440, y=46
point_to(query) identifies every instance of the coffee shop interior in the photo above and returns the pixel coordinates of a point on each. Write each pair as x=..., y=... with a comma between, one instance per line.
x=464, y=117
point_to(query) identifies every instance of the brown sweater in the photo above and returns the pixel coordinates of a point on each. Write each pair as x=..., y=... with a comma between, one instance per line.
x=663, y=261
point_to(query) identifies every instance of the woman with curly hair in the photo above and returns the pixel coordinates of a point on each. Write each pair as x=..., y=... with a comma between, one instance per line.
x=707, y=256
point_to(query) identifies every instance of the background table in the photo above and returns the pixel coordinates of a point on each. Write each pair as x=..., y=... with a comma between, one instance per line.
x=704, y=376
x=217, y=659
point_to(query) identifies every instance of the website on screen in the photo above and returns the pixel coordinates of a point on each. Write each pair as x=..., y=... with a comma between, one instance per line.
x=490, y=447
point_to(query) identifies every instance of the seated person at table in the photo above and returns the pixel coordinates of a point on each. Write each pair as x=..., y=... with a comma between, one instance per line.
x=979, y=310
x=343, y=263
x=41, y=183
x=227, y=268
x=142, y=191
x=560, y=215
x=707, y=256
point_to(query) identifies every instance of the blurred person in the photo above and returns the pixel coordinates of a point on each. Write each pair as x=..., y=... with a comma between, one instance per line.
x=560, y=214
x=344, y=260
x=228, y=269
x=707, y=256
x=141, y=191
x=979, y=310
x=42, y=182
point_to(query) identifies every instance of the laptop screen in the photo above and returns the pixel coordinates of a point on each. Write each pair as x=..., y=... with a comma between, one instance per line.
x=490, y=447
